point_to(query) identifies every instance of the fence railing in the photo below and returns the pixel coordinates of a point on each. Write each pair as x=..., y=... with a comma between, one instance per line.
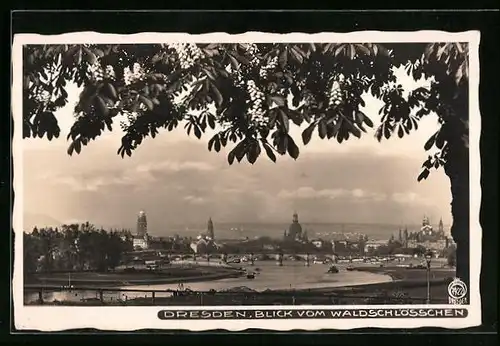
x=91, y=296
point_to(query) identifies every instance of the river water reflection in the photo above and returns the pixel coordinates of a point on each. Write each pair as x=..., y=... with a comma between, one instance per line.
x=292, y=275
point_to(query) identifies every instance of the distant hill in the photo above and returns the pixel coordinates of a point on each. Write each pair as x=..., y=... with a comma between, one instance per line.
x=30, y=220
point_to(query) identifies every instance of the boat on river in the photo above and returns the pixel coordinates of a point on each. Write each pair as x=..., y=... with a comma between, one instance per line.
x=333, y=270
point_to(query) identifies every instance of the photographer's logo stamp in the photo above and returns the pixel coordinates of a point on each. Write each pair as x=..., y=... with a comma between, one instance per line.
x=457, y=292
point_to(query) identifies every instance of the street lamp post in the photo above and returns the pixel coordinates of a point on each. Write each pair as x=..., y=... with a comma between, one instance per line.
x=428, y=257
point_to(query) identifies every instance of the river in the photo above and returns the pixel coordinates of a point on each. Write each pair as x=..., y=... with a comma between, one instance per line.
x=292, y=275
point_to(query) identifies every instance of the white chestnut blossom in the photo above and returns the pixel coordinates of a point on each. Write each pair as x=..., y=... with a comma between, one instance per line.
x=271, y=65
x=189, y=53
x=253, y=50
x=256, y=102
x=136, y=74
x=335, y=94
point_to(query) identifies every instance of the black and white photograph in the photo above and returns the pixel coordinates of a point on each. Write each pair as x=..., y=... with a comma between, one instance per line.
x=258, y=179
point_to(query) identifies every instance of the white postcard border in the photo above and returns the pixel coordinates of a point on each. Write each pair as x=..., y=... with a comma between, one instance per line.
x=54, y=318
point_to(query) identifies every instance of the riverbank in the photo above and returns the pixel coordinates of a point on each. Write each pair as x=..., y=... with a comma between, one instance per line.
x=408, y=274
x=170, y=275
x=360, y=295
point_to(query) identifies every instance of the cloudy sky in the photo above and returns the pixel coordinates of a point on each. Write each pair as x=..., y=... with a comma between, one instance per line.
x=176, y=180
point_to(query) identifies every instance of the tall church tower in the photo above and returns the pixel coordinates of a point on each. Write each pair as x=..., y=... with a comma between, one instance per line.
x=441, y=227
x=142, y=224
x=210, y=229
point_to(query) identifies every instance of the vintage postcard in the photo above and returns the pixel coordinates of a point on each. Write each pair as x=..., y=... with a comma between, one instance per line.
x=217, y=181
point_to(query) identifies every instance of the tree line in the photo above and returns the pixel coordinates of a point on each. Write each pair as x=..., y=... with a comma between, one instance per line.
x=74, y=247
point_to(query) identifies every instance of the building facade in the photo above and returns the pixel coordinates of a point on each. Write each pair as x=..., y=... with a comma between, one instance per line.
x=140, y=243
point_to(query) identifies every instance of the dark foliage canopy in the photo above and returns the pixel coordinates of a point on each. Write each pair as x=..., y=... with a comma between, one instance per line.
x=250, y=94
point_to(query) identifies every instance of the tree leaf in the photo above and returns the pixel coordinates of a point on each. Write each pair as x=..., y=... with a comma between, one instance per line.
x=240, y=151
x=407, y=127
x=353, y=129
x=231, y=156
x=282, y=143
x=327, y=47
x=77, y=145
x=360, y=116
x=217, y=145
x=269, y=152
x=101, y=106
x=211, y=120
x=293, y=150
x=285, y=122
x=211, y=142
x=241, y=59
x=79, y=56
x=197, y=131
x=368, y=121
x=209, y=74
x=400, y=131
x=98, y=52
x=430, y=142
x=378, y=133
x=423, y=175
x=296, y=55
x=387, y=131
x=217, y=95
x=307, y=133
x=415, y=123
x=223, y=139
x=362, y=48
x=111, y=91
x=299, y=50
x=71, y=148
x=109, y=124
x=322, y=130
x=253, y=152
x=147, y=102
x=337, y=126
x=439, y=140
x=283, y=58
x=352, y=51
x=279, y=100
x=89, y=56
x=427, y=163
x=234, y=62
